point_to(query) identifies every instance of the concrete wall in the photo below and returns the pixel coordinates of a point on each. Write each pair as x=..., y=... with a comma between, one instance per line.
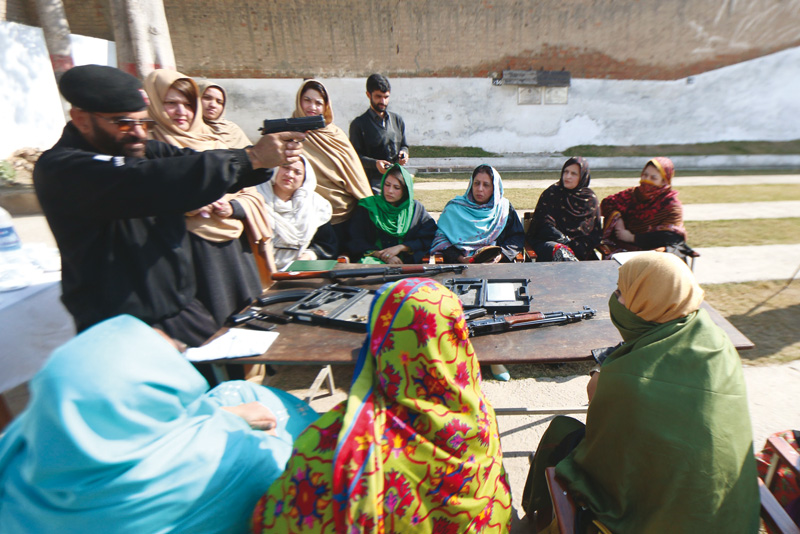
x=754, y=100
x=606, y=39
x=30, y=108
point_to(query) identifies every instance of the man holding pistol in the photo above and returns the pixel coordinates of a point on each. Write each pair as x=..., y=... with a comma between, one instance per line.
x=115, y=203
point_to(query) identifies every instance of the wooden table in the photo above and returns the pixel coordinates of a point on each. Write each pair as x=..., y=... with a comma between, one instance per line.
x=558, y=286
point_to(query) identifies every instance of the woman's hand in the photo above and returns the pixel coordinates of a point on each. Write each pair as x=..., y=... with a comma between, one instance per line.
x=462, y=259
x=390, y=254
x=307, y=256
x=222, y=209
x=258, y=416
x=204, y=212
x=622, y=233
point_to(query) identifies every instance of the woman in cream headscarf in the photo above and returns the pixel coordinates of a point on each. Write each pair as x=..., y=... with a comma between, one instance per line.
x=215, y=99
x=299, y=216
x=668, y=442
x=340, y=174
x=227, y=275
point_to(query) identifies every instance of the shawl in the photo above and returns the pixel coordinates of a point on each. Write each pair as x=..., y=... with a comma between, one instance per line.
x=294, y=222
x=574, y=212
x=645, y=211
x=340, y=175
x=228, y=131
x=394, y=220
x=668, y=444
x=415, y=448
x=200, y=137
x=121, y=435
x=469, y=225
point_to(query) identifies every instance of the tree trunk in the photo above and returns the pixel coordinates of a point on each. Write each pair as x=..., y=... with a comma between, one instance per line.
x=142, y=36
x=53, y=20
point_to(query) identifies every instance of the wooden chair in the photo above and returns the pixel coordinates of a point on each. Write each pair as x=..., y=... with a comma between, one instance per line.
x=563, y=505
x=772, y=512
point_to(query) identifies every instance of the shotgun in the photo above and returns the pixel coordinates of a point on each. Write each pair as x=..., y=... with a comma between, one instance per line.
x=384, y=272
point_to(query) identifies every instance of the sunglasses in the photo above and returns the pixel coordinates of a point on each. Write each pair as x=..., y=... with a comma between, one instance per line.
x=126, y=125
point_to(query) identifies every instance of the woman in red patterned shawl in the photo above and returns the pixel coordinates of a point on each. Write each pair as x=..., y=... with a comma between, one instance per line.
x=415, y=448
x=646, y=217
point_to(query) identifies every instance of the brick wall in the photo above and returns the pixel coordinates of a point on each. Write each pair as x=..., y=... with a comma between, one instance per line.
x=620, y=39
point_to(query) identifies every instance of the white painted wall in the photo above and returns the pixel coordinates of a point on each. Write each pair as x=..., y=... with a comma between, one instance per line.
x=30, y=108
x=754, y=100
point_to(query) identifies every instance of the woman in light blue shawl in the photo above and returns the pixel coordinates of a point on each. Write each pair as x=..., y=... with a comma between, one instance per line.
x=478, y=219
x=120, y=435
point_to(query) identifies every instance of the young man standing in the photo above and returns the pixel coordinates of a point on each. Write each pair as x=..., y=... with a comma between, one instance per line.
x=379, y=136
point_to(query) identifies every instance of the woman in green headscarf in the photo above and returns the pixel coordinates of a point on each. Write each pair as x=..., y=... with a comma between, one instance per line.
x=668, y=442
x=391, y=227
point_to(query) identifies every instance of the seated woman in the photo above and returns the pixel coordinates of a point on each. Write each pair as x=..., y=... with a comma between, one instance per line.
x=225, y=269
x=478, y=219
x=391, y=227
x=300, y=217
x=214, y=98
x=566, y=223
x=668, y=442
x=646, y=217
x=415, y=448
x=120, y=435
x=340, y=174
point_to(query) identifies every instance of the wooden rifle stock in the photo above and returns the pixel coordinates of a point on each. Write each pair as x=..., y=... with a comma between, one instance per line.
x=523, y=318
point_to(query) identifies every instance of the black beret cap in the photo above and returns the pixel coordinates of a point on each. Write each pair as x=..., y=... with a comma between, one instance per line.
x=102, y=89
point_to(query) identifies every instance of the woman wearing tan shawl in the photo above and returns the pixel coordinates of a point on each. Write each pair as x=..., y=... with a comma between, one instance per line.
x=340, y=175
x=226, y=272
x=214, y=99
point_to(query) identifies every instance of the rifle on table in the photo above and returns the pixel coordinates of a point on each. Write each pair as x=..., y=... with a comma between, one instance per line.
x=384, y=272
x=501, y=323
x=296, y=124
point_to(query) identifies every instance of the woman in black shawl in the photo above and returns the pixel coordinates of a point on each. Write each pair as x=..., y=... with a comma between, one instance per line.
x=566, y=224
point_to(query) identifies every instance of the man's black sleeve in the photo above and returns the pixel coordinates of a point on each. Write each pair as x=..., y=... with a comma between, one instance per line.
x=357, y=140
x=169, y=180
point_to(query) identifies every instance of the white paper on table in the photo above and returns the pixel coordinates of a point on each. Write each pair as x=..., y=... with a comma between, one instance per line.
x=622, y=257
x=235, y=343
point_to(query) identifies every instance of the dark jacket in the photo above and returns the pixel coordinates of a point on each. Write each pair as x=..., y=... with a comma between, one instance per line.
x=119, y=222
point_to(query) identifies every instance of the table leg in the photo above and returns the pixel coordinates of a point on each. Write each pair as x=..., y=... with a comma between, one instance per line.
x=325, y=372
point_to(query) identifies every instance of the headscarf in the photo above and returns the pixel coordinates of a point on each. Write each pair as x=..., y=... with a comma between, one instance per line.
x=469, y=225
x=393, y=220
x=415, y=448
x=198, y=136
x=121, y=435
x=574, y=212
x=668, y=444
x=228, y=131
x=659, y=287
x=294, y=222
x=646, y=208
x=340, y=174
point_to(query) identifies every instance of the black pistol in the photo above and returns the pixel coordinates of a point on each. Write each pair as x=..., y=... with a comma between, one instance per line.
x=296, y=124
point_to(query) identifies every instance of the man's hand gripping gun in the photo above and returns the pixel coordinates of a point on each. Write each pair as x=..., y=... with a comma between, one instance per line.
x=501, y=323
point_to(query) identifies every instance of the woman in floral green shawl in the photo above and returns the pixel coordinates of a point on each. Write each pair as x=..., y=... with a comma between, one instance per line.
x=391, y=227
x=415, y=448
x=668, y=444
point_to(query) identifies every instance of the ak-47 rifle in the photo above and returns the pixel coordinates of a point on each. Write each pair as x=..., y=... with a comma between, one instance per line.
x=501, y=323
x=391, y=271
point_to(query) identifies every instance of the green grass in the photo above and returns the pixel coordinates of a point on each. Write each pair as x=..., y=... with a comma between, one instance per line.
x=450, y=152
x=554, y=175
x=722, y=148
x=766, y=312
x=745, y=232
x=525, y=199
